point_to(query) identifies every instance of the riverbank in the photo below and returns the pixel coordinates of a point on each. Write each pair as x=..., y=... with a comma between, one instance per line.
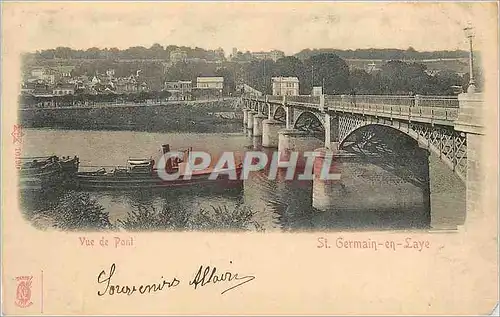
x=152, y=118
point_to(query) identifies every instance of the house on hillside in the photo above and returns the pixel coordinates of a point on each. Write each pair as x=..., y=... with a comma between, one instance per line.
x=272, y=55
x=44, y=74
x=63, y=71
x=110, y=73
x=372, y=68
x=126, y=85
x=285, y=86
x=179, y=90
x=317, y=91
x=63, y=89
x=209, y=87
x=28, y=87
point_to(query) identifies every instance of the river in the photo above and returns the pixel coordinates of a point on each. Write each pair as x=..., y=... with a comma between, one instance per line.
x=260, y=204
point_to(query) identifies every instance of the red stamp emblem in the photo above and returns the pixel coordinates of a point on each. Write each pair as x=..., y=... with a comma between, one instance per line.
x=17, y=134
x=23, y=292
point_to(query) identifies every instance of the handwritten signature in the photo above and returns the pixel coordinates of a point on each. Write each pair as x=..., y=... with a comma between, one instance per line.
x=205, y=275
x=208, y=275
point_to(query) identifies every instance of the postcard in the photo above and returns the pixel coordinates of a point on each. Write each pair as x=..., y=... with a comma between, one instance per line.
x=205, y=158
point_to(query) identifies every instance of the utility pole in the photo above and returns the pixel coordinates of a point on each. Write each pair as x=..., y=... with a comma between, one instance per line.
x=265, y=88
x=312, y=76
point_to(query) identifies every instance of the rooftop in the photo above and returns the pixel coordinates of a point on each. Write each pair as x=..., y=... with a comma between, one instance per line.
x=209, y=79
x=294, y=79
x=65, y=86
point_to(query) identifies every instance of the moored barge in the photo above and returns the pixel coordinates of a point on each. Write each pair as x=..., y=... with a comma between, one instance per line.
x=46, y=172
x=142, y=173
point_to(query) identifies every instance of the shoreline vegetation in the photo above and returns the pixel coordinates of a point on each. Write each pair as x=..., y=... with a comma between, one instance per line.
x=77, y=211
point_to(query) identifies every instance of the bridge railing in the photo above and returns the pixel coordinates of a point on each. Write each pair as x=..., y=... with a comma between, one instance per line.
x=425, y=107
x=274, y=98
x=303, y=100
x=438, y=101
x=416, y=101
x=410, y=112
x=384, y=100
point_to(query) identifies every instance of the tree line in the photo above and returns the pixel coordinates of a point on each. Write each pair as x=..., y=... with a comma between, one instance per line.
x=383, y=54
x=332, y=73
x=156, y=51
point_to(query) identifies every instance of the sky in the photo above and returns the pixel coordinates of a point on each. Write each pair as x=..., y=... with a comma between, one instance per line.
x=253, y=26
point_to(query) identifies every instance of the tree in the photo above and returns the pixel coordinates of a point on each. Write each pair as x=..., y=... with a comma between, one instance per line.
x=398, y=77
x=77, y=211
x=331, y=69
x=362, y=82
x=48, y=54
x=157, y=51
x=164, y=94
x=63, y=52
x=444, y=81
x=229, y=81
x=92, y=53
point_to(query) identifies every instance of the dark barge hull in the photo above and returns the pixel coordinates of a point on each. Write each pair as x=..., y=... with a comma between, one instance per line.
x=49, y=173
x=127, y=182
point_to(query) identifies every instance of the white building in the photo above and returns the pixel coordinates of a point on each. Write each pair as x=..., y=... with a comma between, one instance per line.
x=285, y=86
x=179, y=90
x=62, y=90
x=210, y=83
x=273, y=55
x=317, y=91
x=44, y=74
x=372, y=67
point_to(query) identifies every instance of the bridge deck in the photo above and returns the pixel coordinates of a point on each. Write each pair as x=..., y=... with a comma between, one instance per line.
x=440, y=110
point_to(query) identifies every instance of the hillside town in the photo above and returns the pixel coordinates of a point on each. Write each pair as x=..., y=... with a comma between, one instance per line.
x=63, y=76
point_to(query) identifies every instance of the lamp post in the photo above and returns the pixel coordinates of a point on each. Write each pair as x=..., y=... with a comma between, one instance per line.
x=312, y=76
x=469, y=33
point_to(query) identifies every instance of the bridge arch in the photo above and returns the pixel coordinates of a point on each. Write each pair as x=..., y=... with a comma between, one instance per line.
x=309, y=122
x=448, y=145
x=279, y=114
x=265, y=108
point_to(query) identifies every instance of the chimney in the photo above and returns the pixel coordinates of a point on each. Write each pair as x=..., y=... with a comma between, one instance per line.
x=165, y=148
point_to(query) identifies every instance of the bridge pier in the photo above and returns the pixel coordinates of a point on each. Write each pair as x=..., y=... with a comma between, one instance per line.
x=271, y=110
x=245, y=116
x=292, y=140
x=250, y=116
x=325, y=192
x=270, y=129
x=334, y=128
x=289, y=117
x=445, y=195
x=257, y=124
x=470, y=121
